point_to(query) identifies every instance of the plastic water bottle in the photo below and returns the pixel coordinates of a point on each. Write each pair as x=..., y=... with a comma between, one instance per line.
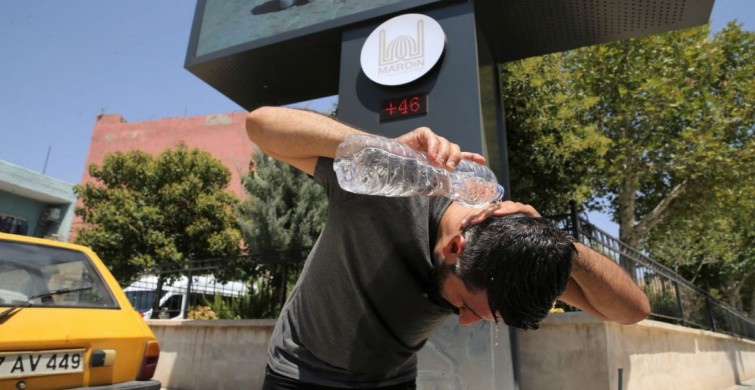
x=375, y=165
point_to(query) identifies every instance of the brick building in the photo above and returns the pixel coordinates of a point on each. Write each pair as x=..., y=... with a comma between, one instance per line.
x=222, y=135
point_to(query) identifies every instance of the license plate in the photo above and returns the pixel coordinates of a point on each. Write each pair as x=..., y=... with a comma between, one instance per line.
x=31, y=363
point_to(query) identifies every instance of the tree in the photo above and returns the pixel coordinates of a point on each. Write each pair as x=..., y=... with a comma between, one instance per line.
x=711, y=245
x=672, y=116
x=146, y=213
x=554, y=150
x=666, y=112
x=280, y=222
x=678, y=110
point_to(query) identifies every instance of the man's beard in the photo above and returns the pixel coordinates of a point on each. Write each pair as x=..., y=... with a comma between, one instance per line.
x=440, y=273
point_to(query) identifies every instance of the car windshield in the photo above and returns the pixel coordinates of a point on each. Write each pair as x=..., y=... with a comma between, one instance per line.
x=28, y=270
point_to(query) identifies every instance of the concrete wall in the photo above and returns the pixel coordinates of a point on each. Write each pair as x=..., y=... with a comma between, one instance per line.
x=576, y=351
x=569, y=351
x=21, y=208
x=223, y=354
x=231, y=354
x=476, y=357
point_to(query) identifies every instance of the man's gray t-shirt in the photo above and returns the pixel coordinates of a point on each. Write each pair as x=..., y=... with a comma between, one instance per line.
x=365, y=302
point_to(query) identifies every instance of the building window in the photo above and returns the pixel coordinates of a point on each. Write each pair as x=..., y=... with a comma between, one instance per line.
x=14, y=225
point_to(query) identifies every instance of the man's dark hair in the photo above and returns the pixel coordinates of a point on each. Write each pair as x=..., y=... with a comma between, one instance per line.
x=522, y=262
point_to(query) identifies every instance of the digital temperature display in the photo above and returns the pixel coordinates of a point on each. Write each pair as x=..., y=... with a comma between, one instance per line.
x=403, y=107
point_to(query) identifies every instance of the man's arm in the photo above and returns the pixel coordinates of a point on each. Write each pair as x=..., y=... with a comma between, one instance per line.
x=602, y=288
x=597, y=285
x=296, y=137
x=299, y=137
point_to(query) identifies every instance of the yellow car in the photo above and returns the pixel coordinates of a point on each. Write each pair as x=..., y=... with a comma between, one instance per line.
x=65, y=322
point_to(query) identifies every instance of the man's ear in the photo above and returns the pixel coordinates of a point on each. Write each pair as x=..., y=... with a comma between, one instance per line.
x=453, y=248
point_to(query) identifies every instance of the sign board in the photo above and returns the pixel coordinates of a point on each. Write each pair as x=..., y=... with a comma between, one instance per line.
x=402, y=49
x=225, y=24
x=275, y=52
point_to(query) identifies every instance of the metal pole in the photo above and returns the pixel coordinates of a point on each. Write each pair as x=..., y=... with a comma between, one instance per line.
x=187, y=294
x=574, y=219
x=679, y=301
x=44, y=169
x=621, y=378
x=710, y=315
x=516, y=366
x=504, y=178
x=500, y=115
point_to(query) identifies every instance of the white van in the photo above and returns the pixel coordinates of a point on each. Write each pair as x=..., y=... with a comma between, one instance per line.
x=174, y=296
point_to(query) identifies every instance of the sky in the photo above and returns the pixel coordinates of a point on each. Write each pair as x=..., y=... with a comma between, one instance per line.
x=62, y=63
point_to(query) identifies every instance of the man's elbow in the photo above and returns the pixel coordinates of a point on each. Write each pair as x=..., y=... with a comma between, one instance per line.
x=639, y=311
x=256, y=122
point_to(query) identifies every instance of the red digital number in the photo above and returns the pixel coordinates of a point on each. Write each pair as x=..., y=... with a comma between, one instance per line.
x=414, y=105
x=403, y=106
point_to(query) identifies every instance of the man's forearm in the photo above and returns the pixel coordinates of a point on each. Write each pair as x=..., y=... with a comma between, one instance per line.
x=299, y=137
x=607, y=288
x=293, y=136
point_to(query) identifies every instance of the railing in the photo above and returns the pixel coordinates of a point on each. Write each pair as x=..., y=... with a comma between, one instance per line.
x=672, y=299
x=241, y=287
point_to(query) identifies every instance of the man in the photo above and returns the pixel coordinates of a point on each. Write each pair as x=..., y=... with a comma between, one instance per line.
x=387, y=272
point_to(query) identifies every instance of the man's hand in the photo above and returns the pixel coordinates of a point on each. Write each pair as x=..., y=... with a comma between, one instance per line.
x=498, y=209
x=439, y=150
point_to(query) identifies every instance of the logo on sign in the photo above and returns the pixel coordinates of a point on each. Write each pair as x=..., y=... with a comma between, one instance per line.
x=402, y=49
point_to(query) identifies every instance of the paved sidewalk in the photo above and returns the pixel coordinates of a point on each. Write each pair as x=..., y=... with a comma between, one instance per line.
x=746, y=385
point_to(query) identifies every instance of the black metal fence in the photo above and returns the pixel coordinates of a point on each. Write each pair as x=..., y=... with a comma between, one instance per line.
x=244, y=287
x=672, y=298
x=212, y=288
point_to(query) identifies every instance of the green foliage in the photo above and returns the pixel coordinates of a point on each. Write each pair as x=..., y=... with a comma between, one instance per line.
x=223, y=308
x=280, y=222
x=659, y=110
x=285, y=210
x=201, y=313
x=708, y=234
x=257, y=304
x=663, y=302
x=143, y=212
x=673, y=107
x=711, y=244
x=656, y=130
x=554, y=151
